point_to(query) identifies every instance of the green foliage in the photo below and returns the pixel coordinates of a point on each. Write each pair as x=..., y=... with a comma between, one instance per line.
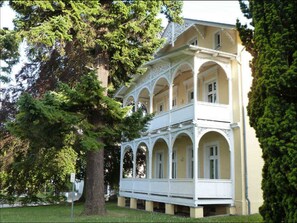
x=67, y=39
x=59, y=127
x=273, y=102
x=9, y=44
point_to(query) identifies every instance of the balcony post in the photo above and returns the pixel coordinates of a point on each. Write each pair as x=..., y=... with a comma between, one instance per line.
x=134, y=150
x=195, y=128
x=170, y=95
x=150, y=152
x=121, y=163
x=170, y=158
x=151, y=103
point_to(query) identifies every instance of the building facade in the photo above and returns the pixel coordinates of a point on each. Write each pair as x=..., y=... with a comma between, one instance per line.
x=199, y=152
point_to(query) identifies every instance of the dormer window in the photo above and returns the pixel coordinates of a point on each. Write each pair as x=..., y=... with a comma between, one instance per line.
x=193, y=42
x=217, y=40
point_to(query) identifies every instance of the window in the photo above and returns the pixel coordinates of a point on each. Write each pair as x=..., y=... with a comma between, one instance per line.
x=190, y=96
x=173, y=164
x=211, y=92
x=190, y=162
x=159, y=165
x=160, y=107
x=217, y=40
x=194, y=42
x=173, y=102
x=213, y=162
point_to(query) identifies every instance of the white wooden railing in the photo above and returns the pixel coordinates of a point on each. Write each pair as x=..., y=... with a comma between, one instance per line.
x=205, y=111
x=178, y=187
x=213, y=112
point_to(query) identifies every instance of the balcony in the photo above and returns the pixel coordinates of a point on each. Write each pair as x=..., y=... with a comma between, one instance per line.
x=208, y=190
x=205, y=111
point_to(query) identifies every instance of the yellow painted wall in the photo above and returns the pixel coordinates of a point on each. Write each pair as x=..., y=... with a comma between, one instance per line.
x=160, y=146
x=240, y=201
x=223, y=87
x=180, y=146
x=182, y=95
x=208, y=42
x=162, y=97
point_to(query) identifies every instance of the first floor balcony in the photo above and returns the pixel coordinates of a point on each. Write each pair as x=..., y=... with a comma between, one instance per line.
x=179, y=191
x=186, y=166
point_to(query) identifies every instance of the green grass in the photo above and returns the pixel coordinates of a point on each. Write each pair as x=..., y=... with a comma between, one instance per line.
x=61, y=213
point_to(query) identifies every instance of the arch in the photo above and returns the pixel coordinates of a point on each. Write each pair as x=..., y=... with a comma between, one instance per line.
x=129, y=99
x=213, y=83
x=160, y=95
x=160, y=159
x=127, y=168
x=220, y=64
x=214, y=154
x=158, y=80
x=141, y=160
x=182, y=159
x=181, y=68
x=143, y=99
x=215, y=130
x=183, y=132
x=160, y=138
x=142, y=142
x=141, y=90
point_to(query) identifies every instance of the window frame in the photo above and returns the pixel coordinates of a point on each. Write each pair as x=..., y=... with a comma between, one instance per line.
x=217, y=40
x=208, y=158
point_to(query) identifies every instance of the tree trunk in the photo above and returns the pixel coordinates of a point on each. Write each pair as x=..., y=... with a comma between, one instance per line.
x=95, y=202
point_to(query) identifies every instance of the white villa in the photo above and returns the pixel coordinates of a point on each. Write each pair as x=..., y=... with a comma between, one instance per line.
x=199, y=154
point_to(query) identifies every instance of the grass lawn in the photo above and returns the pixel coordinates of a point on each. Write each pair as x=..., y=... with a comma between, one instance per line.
x=61, y=213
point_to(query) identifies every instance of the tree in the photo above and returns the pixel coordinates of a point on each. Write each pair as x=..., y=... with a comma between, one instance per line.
x=272, y=104
x=67, y=39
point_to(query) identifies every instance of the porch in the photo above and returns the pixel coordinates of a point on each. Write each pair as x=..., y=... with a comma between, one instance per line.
x=178, y=191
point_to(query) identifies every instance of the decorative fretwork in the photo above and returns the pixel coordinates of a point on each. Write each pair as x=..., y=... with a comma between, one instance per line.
x=173, y=30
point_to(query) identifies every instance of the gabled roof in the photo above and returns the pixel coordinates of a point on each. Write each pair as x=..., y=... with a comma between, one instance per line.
x=174, y=30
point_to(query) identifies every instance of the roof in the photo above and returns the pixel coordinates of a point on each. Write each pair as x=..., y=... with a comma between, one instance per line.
x=174, y=30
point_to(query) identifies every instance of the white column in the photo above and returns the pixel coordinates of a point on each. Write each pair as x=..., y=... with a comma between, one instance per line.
x=151, y=103
x=196, y=164
x=150, y=162
x=134, y=151
x=170, y=96
x=121, y=163
x=195, y=128
x=169, y=158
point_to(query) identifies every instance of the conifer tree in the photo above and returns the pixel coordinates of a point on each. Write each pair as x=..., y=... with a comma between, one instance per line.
x=68, y=39
x=272, y=104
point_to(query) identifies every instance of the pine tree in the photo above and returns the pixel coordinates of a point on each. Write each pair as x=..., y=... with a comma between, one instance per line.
x=67, y=39
x=272, y=104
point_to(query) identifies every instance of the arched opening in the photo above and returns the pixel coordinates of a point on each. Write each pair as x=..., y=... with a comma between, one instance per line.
x=182, y=157
x=161, y=96
x=183, y=91
x=144, y=101
x=142, y=156
x=214, y=156
x=213, y=84
x=131, y=102
x=160, y=159
x=128, y=163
